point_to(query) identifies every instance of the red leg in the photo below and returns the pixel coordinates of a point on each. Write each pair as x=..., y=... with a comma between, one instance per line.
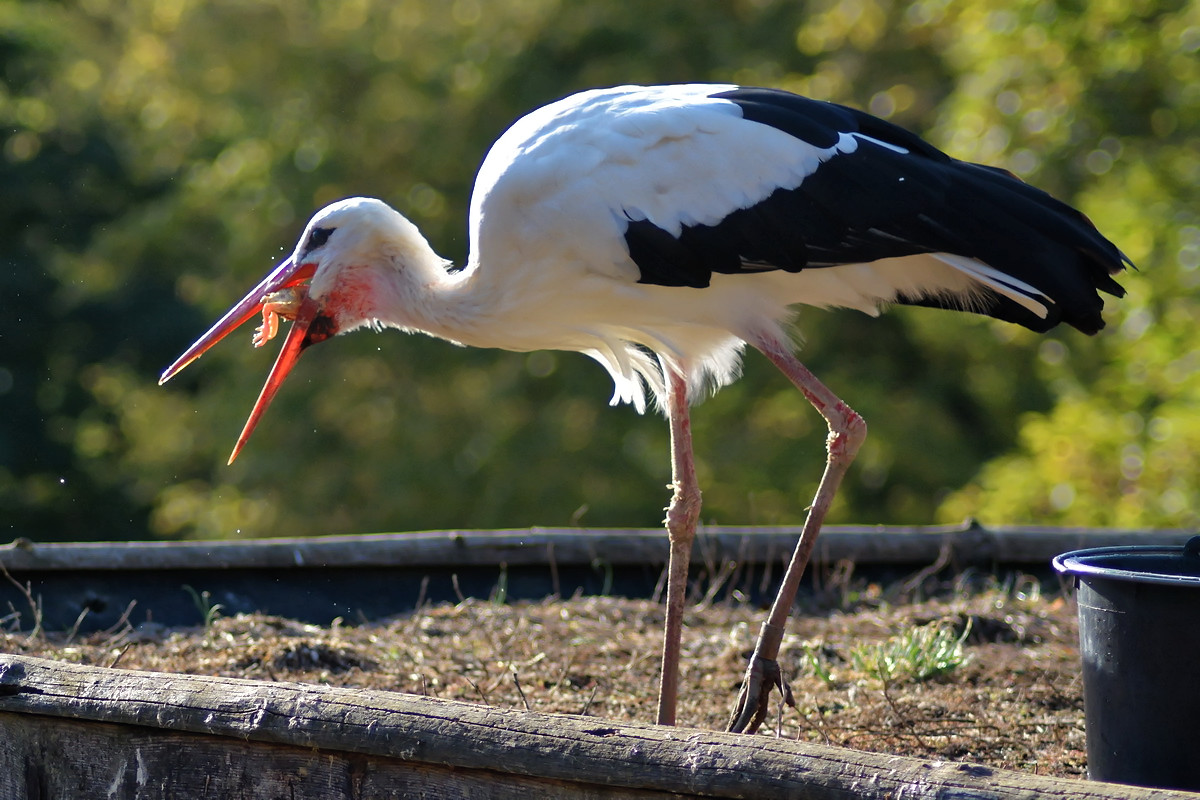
x=682, y=514
x=846, y=434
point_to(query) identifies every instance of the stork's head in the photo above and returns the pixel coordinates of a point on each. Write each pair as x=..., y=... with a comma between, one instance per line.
x=347, y=254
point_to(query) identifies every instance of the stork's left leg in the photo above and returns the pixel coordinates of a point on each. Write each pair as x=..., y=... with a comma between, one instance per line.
x=846, y=434
x=682, y=514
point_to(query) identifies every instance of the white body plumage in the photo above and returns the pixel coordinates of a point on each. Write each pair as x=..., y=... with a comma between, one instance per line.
x=550, y=267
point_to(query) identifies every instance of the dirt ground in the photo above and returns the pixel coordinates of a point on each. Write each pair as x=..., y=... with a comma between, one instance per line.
x=1010, y=696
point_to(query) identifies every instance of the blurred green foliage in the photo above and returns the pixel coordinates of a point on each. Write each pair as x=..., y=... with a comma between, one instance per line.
x=158, y=156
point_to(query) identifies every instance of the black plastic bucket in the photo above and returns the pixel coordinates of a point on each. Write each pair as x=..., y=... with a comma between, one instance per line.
x=1139, y=638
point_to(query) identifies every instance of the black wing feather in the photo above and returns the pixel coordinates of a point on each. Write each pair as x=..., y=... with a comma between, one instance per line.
x=879, y=202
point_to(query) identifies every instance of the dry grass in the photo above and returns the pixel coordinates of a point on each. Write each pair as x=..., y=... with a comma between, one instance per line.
x=1016, y=701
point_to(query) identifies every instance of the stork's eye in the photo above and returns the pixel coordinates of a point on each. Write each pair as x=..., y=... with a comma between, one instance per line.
x=317, y=238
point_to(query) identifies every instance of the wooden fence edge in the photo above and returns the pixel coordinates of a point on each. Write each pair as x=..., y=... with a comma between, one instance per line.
x=464, y=736
x=919, y=545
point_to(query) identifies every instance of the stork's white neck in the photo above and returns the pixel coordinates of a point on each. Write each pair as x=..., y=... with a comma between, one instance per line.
x=410, y=288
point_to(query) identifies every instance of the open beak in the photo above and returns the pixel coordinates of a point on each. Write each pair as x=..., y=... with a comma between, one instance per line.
x=304, y=311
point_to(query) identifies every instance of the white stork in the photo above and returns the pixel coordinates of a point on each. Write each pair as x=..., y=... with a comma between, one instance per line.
x=661, y=229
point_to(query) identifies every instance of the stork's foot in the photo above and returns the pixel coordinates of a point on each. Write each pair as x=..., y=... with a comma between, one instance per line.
x=754, y=700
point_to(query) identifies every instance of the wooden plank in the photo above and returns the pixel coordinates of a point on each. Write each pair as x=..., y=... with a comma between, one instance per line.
x=862, y=544
x=70, y=759
x=569, y=750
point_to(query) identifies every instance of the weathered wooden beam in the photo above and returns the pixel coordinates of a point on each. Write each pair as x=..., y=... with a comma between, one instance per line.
x=75, y=759
x=861, y=544
x=404, y=737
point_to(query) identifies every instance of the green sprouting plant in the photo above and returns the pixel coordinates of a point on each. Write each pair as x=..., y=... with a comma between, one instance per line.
x=606, y=568
x=500, y=592
x=209, y=611
x=817, y=665
x=917, y=654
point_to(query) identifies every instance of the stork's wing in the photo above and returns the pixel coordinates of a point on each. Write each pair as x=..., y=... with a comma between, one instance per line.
x=670, y=185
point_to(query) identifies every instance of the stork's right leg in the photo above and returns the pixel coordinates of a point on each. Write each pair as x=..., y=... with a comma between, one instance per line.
x=682, y=515
x=846, y=434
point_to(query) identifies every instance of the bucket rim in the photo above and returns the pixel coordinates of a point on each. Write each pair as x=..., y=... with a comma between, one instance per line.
x=1074, y=563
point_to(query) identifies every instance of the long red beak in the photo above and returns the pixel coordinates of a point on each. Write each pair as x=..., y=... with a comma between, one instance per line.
x=302, y=334
x=297, y=339
x=284, y=275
